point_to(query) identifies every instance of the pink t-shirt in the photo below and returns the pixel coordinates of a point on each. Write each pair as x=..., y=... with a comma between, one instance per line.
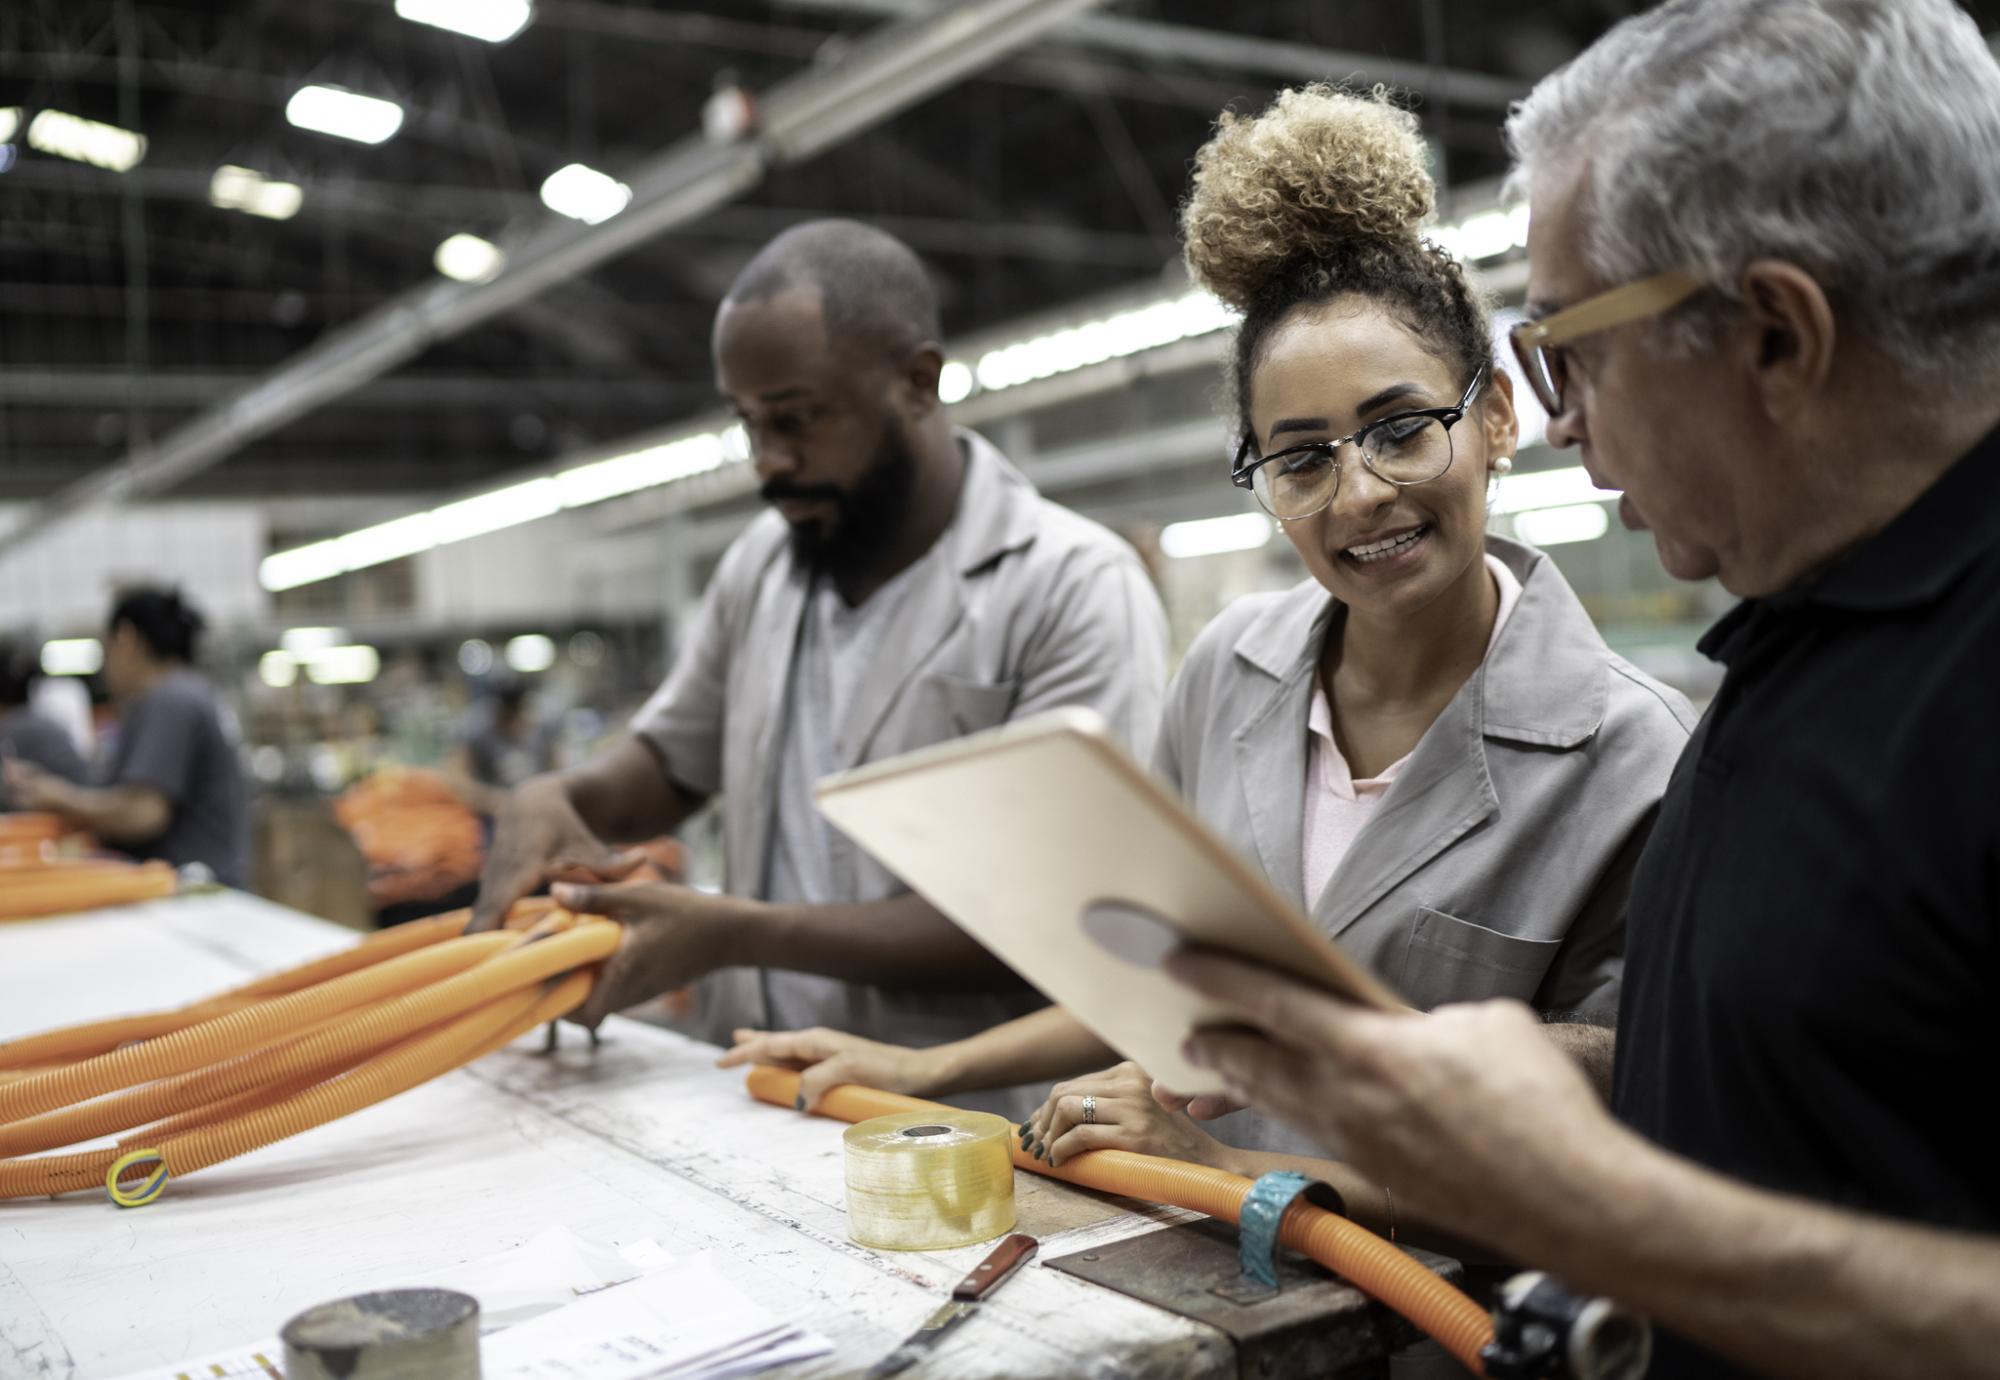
x=1336, y=804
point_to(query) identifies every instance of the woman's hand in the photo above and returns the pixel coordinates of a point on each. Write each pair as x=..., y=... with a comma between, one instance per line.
x=829, y=1058
x=1124, y=1116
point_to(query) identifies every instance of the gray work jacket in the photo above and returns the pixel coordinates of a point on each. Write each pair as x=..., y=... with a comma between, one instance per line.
x=1498, y=861
x=1036, y=608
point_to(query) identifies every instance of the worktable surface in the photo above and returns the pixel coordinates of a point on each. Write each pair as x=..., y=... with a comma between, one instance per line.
x=642, y=1138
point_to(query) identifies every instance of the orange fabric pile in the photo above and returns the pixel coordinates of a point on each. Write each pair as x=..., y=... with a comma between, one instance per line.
x=420, y=841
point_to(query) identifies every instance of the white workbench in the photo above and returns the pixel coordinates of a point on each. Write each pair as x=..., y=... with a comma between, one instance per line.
x=643, y=1138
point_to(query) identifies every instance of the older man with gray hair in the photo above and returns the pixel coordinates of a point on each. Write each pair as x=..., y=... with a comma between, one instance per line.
x=1765, y=303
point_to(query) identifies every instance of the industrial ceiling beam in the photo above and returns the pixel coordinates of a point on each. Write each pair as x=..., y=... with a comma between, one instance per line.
x=883, y=73
x=1156, y=41
x=69, y=388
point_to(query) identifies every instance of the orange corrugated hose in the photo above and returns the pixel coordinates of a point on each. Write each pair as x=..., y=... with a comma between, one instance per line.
x=285, y=1053
x=1349, y=1250
x=38, y=888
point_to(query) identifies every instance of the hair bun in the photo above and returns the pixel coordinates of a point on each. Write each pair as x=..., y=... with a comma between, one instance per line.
x=1318, y=169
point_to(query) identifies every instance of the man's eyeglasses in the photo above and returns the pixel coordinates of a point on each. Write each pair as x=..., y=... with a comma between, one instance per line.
x=1409, y=448
x=1538, y=345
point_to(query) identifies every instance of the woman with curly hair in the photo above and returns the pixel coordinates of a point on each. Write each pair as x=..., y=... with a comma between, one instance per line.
x=1427, y=745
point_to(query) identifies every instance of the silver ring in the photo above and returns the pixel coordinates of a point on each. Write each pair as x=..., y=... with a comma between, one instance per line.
x=1089, y=1110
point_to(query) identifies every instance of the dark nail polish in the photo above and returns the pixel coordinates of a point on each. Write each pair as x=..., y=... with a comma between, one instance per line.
x=799, y=1102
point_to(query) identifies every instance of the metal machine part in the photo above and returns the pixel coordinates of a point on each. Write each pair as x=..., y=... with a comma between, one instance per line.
x=392, y=1334
x=1311, y=1324
x=1541, y=1331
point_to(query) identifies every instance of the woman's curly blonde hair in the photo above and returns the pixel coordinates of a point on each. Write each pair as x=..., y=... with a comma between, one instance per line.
x=1318, y=197
x=1316, y=172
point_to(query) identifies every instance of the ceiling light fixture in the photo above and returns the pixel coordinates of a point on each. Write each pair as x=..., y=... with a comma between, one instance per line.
x=584, y=194
x=469, y=259
x=344, y=114
x=86, y=141
x=495, y=21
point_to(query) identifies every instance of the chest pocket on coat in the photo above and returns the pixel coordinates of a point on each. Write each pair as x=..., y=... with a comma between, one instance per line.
x=1455, y=960
x=947, y=706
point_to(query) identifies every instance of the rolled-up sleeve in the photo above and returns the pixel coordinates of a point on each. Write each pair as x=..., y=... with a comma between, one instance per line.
x=683, y=720
x=1102, y=645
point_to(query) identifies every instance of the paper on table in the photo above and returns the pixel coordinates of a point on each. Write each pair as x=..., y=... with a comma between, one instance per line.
x=538, y=1276
x=542, y=1273
x=684, y=1322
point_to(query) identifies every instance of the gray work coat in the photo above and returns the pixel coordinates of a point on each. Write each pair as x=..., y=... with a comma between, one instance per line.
x=1498, y=861
x=1036, y=608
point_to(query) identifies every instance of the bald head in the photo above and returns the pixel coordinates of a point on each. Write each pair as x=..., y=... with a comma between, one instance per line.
x=872, y=290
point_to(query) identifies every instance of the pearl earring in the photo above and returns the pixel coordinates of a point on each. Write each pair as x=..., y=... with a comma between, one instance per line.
x=1503, y=465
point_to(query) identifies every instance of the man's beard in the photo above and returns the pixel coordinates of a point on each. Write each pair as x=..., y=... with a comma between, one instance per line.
x=865, y=518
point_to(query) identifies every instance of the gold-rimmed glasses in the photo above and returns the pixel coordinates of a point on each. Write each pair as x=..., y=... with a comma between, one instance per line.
x=1538, y=345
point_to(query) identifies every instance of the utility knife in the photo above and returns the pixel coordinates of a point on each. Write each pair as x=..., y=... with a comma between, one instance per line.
x=1009, y=1256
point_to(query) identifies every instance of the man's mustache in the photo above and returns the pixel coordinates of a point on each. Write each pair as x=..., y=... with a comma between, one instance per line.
x=778, y=490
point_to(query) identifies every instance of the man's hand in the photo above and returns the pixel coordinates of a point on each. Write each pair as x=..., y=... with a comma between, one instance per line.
x=1469, y=1114
x=31, y=788
x=1200, y=1106
x=539, y=837
x=673, y=935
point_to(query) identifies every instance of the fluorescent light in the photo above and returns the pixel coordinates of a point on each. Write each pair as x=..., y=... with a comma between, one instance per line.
x=386, y=541
x=475, y=656
x=641, y=469
x=469, y=259
x=584, y=194
x=1484, y=234
x=72, y=656
x=302, y=642
x=1094, y=342
x=10, y=120
x=531, y=652
x=508, y=507
x=1214, y=536
x=244, y=189
x=1554, y=526
x=1128, y=332
x=496, y=21
x=85, y=141
x=355, y=665
x=302, y=565
x=954, y=382
x=1519, y=493
x=344, y=114
x=279, y=670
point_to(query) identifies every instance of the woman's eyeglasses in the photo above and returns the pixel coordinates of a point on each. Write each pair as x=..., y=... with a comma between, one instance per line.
x=1409, y=448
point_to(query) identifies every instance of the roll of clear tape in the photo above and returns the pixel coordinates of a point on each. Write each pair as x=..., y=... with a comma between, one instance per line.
x=928, y=1181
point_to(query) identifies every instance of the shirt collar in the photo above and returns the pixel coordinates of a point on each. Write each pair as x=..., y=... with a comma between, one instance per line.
x=1543, y=681
x=1917, y=558
x=997, y=506
x=1911, y=562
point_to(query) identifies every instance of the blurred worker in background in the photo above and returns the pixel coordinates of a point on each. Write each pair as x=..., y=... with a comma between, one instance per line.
x=502, y=744
x=26, y=735
x=174, y=787
x=909, y=587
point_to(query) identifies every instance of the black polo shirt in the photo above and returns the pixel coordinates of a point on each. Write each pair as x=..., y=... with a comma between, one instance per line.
x=1812, y=983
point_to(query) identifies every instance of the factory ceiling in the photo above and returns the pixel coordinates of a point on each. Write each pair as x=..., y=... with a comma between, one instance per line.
x=137, y=300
